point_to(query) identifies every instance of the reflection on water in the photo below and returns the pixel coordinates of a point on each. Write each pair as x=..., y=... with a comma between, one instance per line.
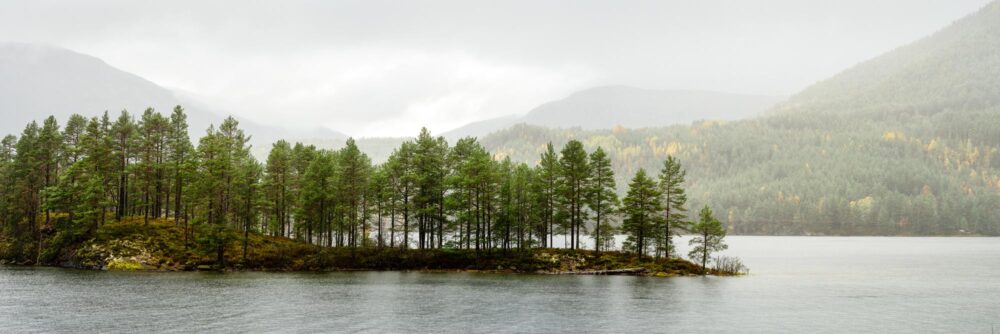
x=798, y=284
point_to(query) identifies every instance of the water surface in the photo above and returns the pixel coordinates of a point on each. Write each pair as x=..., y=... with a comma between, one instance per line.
x=797, y=284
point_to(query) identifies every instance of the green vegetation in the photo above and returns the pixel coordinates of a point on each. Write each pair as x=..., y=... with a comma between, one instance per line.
x=905, y=144
x=804, y=174
x=136, y=194
x=708, y=233
x=159, y=246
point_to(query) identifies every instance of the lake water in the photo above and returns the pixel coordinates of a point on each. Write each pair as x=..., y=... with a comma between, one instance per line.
x=797, y=285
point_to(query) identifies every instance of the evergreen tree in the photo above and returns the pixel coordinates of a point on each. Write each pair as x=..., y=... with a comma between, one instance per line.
x=396, y=171
x=546, y=189
x=573, y=180
x=709, y=235
x=601, y=196
x=641, y=207
x=354, y=172
x=49, y=150
x=72, y=136
x=429, y=176
x=403, y=172
x=7, y=154
x=302, y=157
x=524, y=212
x=674, y=199
x=380, y=193
x=318, y=194
x=123, y=139
x=462, y=181
x=25, y=199
x=93, y=170
x=151, y=148
x=180, y=160
x=278, y=182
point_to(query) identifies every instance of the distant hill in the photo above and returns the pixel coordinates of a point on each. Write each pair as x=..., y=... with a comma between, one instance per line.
x=907, y=143
x=956, y=68
x=610, y=106
x=481, y=128
x=630, y=107
x=37, y=81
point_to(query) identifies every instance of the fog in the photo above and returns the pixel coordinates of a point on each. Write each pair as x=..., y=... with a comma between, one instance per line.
x=385, y=68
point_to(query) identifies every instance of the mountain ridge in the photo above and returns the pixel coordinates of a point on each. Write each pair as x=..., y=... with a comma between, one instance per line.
x=631, y=107
x=955, y=56
x=31, y=74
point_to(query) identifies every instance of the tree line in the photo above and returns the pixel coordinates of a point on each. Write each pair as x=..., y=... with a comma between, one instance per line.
x=62, y=183
x=809, y=174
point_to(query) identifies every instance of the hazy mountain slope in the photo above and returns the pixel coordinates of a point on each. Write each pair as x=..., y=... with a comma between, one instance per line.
x=609, y=106
x=481, y=128
x=955, y=68
x=605, y=107
x=37, y=81
x=906, y=143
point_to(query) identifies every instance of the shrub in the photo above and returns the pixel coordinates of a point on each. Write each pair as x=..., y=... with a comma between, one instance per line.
x=729, y=265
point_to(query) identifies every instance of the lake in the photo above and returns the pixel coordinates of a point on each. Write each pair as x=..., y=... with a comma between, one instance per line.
x=796, y=285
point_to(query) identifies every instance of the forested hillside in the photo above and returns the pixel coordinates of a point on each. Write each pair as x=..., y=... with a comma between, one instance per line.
x=607, y=106
x=906, y=143
x=954, y=69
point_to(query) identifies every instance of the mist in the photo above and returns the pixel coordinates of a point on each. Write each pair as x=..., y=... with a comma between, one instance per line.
x=380, y=68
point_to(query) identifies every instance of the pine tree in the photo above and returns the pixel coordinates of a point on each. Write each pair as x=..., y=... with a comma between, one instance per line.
x=523, y=204
x=318, y=192
x=674, y=199
x=7, y=153
x=123, y=139
x=573, y=180
x=380, y=193
x=302, y=156
x=354, y=172
x=709, y=235
x=94, y=169
x=601, y=196
x=403, y=171
x=180, y=160
x=461, y=180
x=546, y=185
x=151, y=148
x=28, y=178
x=49, y=150
x=278, y=182
x=428, y=163
x=642, y=208
x=222, y=153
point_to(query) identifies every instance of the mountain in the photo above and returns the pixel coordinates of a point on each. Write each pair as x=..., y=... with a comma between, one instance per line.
x=907, y=143
x=954, y=68
x=481, y=128
x=633, y=107
x=37, y=81
x=628, y=107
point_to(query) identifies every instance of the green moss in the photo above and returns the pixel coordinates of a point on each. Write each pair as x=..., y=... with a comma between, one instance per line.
x=124, y=265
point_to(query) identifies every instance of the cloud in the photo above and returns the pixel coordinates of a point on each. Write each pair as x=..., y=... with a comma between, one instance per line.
x=386, y=68
x=363, y=91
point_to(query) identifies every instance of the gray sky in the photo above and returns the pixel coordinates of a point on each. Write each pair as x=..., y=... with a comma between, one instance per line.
x=386, y=68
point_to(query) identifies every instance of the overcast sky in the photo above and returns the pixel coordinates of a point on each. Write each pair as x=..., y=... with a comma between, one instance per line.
x=385, y=68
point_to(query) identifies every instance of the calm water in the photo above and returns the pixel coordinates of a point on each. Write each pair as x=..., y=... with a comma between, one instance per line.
x=798, y=284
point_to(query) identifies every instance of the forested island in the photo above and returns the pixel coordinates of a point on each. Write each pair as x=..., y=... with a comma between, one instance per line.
x=130, y=193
